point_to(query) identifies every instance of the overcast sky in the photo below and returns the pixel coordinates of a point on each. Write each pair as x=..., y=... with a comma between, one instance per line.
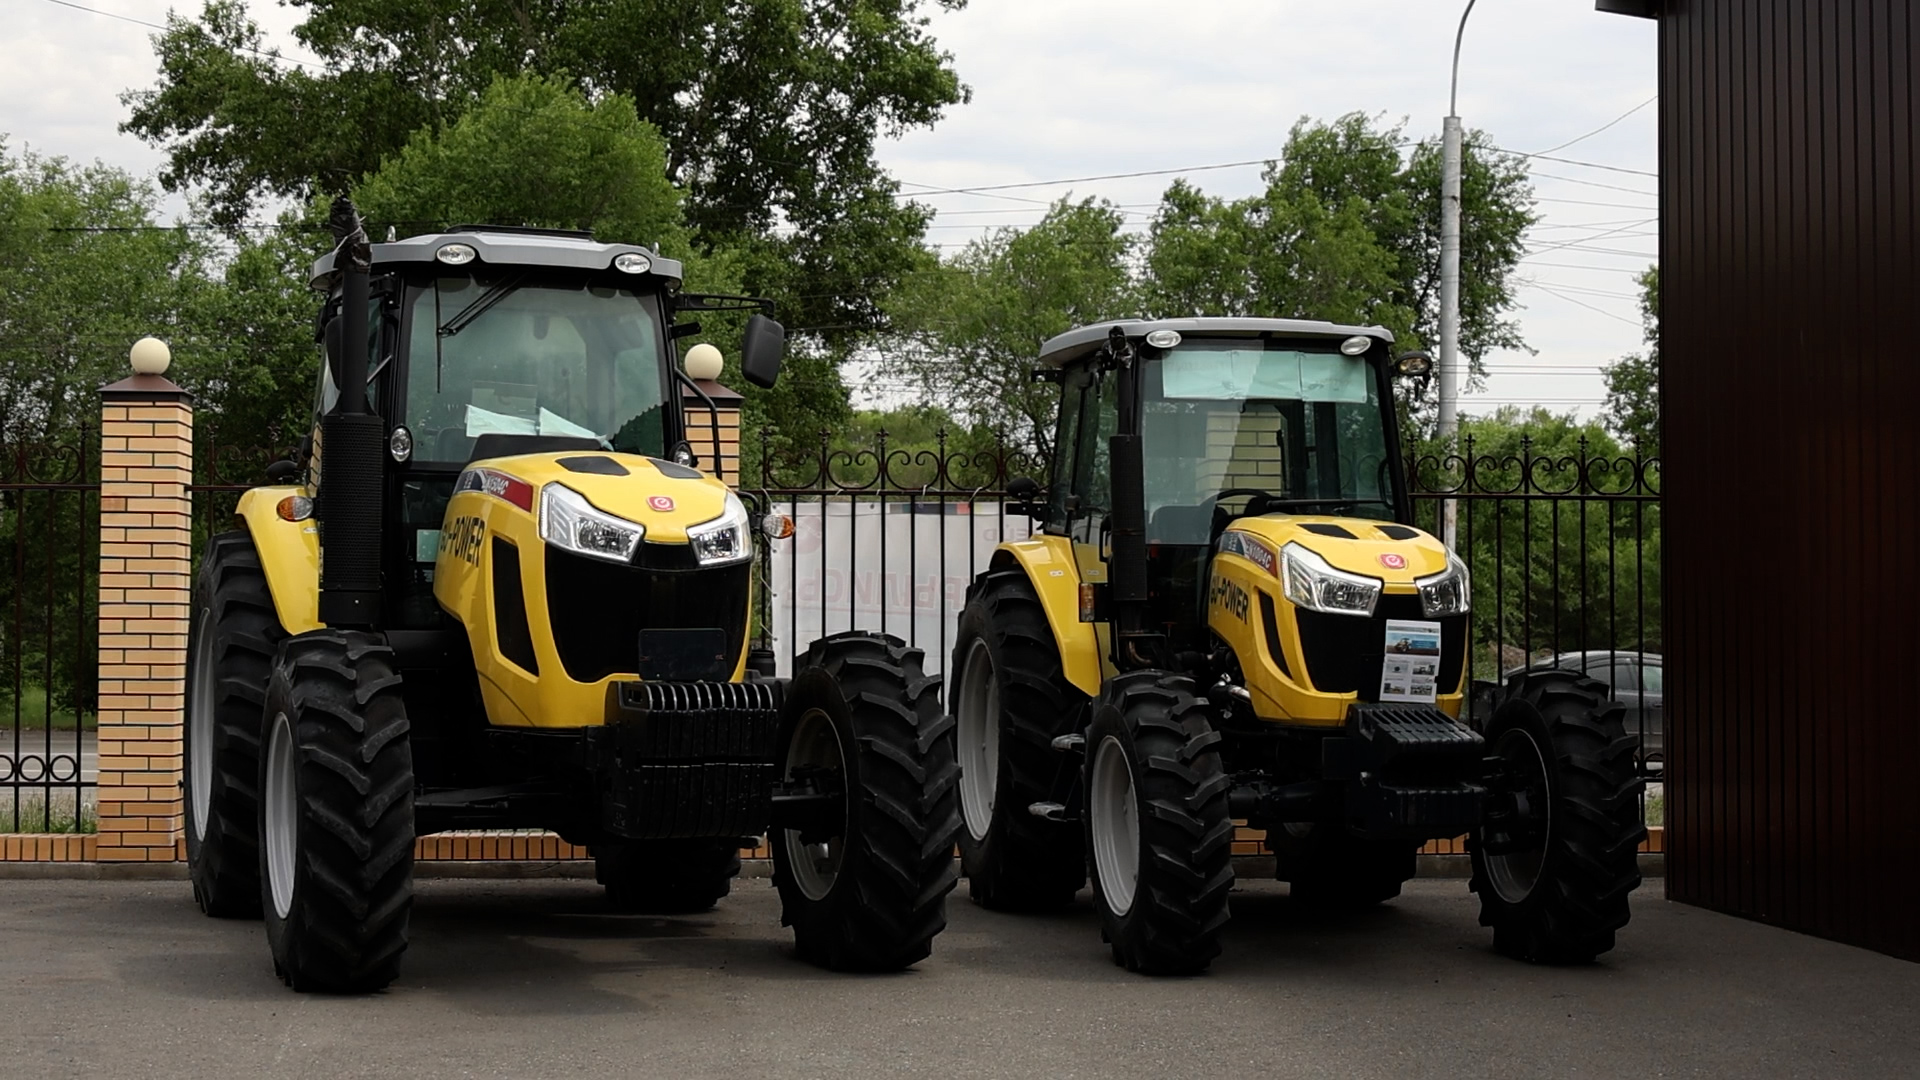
x=1082, y=88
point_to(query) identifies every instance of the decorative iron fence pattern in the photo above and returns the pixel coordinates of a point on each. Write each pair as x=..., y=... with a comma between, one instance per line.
x=49, y=568
x=1564, y=547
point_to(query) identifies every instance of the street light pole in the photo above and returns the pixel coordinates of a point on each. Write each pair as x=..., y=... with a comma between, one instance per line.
x=1450, y=276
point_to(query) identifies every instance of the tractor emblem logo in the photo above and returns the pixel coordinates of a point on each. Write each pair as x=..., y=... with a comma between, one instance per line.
x=660, y=502
x=1393, y=561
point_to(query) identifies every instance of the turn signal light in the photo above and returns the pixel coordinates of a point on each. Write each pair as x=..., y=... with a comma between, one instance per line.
x=777, y=526
x=294, y=508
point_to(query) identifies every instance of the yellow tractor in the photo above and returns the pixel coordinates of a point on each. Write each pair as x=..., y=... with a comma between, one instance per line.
x=1228, y=615
x=498, y=592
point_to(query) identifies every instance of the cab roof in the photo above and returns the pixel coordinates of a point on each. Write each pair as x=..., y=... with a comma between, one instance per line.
x=500, y=246
x=1079, y=342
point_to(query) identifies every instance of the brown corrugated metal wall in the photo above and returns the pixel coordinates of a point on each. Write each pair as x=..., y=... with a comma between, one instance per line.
x=1792, y=455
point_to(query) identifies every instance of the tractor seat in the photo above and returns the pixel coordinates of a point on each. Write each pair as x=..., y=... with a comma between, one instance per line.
x=1182, y=525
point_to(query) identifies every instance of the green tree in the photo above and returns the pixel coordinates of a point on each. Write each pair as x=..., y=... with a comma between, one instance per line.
x=1348, y=229
x=770, y=110
x=1633, y=381
x=967, y=331
x=84, y=272
x=532, y=151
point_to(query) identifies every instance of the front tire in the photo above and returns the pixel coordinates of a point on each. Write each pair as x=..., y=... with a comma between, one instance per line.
x=336, y=813
x=229, y=659
x=1158, y=833
x=867, y=892
x=1554, y=866
x=1010, y=699
x=666, y=877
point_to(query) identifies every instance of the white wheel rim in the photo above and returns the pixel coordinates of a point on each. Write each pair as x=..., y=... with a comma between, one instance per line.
x=977, y=718
x=815, y=867
x=1116, y=825
x=200, y=726
x=1515, y=876
x=280, y=829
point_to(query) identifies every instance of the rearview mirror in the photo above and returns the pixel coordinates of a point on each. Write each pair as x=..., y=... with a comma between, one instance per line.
x=334, y=339
x=762, y=350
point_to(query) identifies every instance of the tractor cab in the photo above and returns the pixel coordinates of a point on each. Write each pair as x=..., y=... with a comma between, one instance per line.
x=491, y=341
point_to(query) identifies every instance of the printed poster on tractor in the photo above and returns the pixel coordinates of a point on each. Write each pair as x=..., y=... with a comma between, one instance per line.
x=1411, y=669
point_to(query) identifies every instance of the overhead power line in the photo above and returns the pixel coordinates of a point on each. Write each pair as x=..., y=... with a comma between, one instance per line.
x=158, y=26
x=1598, y=130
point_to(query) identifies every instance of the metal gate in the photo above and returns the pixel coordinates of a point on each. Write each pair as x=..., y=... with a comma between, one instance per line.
x=49, y=567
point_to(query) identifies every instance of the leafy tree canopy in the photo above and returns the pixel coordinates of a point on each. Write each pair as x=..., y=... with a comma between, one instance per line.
x=970, y=328
x=769, y=110
x=1633, y=381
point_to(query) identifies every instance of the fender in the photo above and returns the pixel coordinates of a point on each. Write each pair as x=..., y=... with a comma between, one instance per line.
x=1048, y=562
x=289, y=555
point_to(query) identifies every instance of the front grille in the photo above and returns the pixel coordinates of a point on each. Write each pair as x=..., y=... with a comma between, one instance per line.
x=1344, y=653
x=597, y=610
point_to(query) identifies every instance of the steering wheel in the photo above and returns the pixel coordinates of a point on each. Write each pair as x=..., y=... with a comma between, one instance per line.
x=1228, y=493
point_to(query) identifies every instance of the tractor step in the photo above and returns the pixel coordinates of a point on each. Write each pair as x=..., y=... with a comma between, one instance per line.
x=1050, y=811
x=1069, y=744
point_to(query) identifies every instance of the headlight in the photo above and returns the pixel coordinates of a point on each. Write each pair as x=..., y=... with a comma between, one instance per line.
x=1311, y=582
x=1447, y=592
x=568, y=521
x=724, y=539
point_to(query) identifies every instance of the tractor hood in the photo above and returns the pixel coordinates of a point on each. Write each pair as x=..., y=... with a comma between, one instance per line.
x=1396, y=554
x=665, y=497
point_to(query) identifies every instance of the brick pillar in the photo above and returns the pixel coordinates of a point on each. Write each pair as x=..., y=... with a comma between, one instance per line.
x=701, y=427
x=146, y=462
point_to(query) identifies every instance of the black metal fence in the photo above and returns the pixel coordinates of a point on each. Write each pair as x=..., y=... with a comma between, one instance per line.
x=1564, y=548
x=1562, y=543
x=49, y=572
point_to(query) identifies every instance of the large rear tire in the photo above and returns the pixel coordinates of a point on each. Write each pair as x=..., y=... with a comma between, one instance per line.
x=1158, y=833
x=1554, y=866
x=230, y=648
x=868, y=891
x=1010, y=699
x=666, y=877
x=336, y=813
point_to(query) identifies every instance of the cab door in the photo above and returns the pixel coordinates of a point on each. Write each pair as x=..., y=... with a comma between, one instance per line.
x=1082, y=492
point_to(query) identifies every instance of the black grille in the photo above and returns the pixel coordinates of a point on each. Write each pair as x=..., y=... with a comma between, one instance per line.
x=1344, y=652
x=597, y=610
x=510, y=608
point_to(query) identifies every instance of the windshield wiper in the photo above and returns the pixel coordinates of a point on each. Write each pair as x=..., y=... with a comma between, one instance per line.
x=466, y=315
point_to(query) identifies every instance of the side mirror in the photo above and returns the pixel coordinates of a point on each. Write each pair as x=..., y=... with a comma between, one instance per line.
x=1413, y=364
x=1026, y=496
x=762, y=350
x=335, y=342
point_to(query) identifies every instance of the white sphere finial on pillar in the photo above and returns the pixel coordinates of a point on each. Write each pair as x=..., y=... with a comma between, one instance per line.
x=704, y=362
x=150, y=356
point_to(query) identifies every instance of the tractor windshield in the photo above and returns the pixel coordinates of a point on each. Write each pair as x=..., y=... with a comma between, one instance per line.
x=520, y=356
x=1261, y=426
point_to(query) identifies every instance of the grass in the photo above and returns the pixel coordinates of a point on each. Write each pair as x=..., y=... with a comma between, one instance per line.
x=33, y=817
x=33, y=712
x=1656, y=809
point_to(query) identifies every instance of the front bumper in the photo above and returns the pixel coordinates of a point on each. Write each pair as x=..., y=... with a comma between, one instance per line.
x=1406, y=772
x=687, y=759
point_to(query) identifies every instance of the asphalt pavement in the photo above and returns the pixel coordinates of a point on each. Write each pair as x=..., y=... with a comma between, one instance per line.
x=536, y=978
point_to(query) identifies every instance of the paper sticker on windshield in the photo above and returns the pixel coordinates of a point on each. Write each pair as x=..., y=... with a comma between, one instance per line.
x=1411, y=668
x=660, y=503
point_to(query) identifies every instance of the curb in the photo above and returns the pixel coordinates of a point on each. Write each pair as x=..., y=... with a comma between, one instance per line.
x=1652, y=864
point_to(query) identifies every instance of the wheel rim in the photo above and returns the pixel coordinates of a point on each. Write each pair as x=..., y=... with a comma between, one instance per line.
x=1515, y=875
x=200, y=726
x=1116, y=825
x=280, y=830
x=815, y=745
x=977, y=716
